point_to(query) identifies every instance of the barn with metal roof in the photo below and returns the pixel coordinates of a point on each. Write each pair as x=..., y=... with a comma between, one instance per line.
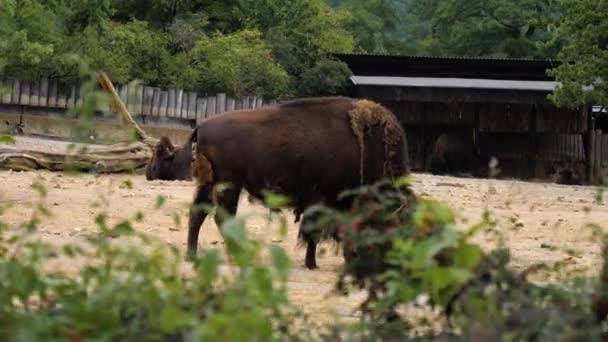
x=500, y=105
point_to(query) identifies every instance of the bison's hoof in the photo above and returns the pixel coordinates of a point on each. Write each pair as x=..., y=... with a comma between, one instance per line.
x=191, y=256
x=311, y=265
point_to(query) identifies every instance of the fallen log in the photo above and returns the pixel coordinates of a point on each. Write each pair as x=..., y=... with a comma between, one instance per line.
x=123, y=157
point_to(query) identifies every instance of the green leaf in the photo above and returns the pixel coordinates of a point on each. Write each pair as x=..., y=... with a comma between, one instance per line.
x=40, y=189
x=173, y=319
x=280, y=261
x=7, y=140
x=207, y=268
x=123, y=228
x=467, y=256
x=283, y=226
x=160, y=201
x=275, y=201
x=128, y=184
x=234, y=233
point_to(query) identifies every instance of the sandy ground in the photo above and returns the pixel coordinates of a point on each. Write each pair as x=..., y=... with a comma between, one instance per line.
x=540, y=221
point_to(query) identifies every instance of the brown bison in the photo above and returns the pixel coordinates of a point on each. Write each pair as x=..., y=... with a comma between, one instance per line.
x=455, y=155
x=170, y=162
x=308, y=149
x=566, y=176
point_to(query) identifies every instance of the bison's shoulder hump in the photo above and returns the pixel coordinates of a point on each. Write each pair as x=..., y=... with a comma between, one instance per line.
x=315, y=101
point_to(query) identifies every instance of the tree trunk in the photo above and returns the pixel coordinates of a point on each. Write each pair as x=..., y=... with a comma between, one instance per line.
x=107, y=159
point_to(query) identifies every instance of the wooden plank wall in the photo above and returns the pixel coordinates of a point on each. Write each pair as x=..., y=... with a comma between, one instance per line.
x=140, y=100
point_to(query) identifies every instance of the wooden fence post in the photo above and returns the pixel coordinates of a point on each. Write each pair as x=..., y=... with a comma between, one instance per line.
x=230, y=104
x=156, y=102
x=52, y=97
x=211, y=102
x=62, y=97
x=164, y=96
x=598, y=157
x=15, y=98
x=138, y=100
x=179, y=98
x=221, y=103
x=34, y=93
x=71, y=101
x=44, y=93
x=171, y=104
x=192, y=105
x=201, y=110
x=24, y=98
x=7, y=90
x=147, y=100
x=590, y=145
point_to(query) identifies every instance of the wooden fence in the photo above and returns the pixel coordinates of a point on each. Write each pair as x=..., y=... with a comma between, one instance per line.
x=599, y=157
x=141, y=100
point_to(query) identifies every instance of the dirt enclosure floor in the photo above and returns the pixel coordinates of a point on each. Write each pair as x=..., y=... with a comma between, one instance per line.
x=542, y=222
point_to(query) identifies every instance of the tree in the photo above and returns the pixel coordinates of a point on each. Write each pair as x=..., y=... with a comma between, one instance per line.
x=32, y=38
x=374, y=24
x=240, y=64
x=327, y=77
x=583, y=74
x=509, y=28
x=124, y=51
x=299, y=32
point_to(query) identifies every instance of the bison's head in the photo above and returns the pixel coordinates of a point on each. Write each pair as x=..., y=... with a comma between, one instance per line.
x=169, y=162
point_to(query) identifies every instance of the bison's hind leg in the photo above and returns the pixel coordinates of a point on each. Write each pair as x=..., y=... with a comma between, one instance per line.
x=198, y=214
x=228, y=199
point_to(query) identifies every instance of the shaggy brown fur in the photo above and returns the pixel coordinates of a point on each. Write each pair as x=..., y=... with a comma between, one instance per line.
x=367, y=114
x=306, y=149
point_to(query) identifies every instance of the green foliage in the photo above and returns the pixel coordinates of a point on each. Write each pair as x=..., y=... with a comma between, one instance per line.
x=375, y=24
x=298, y=32
x=239, y=64
x=153, y=41
x=584, y=73
x=488, y=28
x=32, y=36
x=124, y=51
x=7, y=140
x=132, y=292
x=327, y=77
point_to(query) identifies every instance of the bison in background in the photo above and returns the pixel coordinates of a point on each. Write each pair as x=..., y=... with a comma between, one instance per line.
x=566, y=176
x=309, y=150
x=455, y=155
x=170, y=162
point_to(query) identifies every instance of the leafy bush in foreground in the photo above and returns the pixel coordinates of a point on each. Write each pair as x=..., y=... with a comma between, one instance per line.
x=133, y=288
x=404, y=249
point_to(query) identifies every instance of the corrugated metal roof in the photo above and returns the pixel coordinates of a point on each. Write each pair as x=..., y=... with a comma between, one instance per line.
x=455, y=58
x=449, y=67
x=471, y=83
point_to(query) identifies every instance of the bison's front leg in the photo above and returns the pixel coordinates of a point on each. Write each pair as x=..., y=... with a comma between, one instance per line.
x=197, y=216
x=311, y=237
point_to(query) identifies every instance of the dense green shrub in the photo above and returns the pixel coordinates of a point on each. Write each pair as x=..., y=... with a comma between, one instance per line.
x=239, y=64
x=327, y=77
